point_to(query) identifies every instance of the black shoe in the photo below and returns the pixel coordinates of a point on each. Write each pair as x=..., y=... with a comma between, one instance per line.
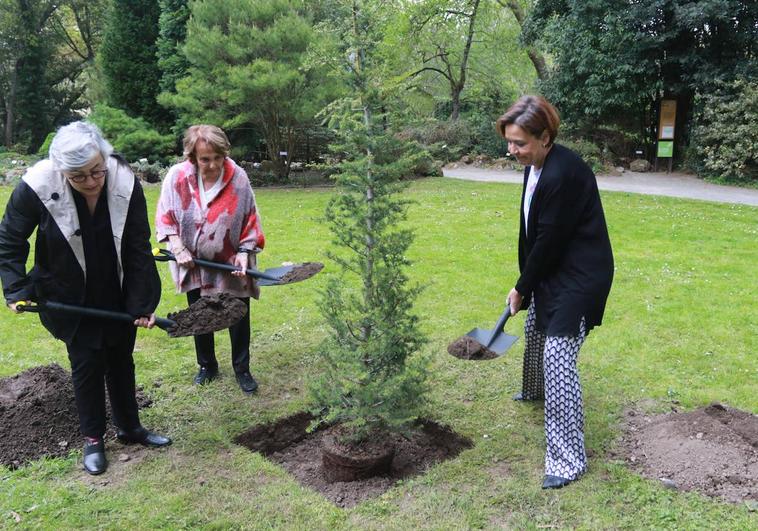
x=555, y=482
x=247, y=382
x=519, y=397
x=94, y=457
x=205, y=375
x=143, y=437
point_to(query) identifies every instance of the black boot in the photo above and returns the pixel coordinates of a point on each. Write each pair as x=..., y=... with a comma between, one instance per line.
x=94, y=456
x=143, y=437
x=555, y=482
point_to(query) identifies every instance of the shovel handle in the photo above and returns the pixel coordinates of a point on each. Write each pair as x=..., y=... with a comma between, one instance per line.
x=165, y=255
x=124, y=317
x=500, y=326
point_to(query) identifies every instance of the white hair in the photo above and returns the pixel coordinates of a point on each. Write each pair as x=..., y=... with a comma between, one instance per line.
x=75, y=145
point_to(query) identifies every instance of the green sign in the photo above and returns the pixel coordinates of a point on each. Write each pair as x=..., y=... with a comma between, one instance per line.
x=665, y=148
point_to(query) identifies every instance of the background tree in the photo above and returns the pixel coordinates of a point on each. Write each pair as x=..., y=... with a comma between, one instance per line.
x=615, y=60
x=248, y=72
x=442, y=33
x=129, y=61
x=535, y=56
x=172, y=32
x=46, y=47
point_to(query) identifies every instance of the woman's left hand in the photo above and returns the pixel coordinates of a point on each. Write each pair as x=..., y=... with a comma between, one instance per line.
x=240, y=260
x=146, y=321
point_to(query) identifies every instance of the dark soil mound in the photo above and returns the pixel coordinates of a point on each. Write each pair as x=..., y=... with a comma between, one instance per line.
x=468, y=348
x=301, y=272
x=712, y=450
x=208, y=314
x=38, y=415
x=428, y=444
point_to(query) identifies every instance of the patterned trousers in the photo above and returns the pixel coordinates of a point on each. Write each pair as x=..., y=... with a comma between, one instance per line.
x=550, y=374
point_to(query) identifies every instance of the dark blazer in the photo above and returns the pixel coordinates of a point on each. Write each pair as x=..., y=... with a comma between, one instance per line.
x=565, y=256
x=57, y=273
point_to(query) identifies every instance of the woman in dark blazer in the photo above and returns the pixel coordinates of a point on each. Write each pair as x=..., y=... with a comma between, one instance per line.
x=566, y=266
x=92, y=248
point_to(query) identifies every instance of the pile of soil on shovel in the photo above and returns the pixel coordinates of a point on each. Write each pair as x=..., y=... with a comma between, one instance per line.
x=207, y=314
x=468, y=348
x=301, y=272
x=287, y=443
x=38, y=415
x=712, y=450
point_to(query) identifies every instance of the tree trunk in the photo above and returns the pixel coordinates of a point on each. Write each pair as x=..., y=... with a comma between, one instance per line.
x=10, y=106
x=457, y=88
x=455, y=97
x=537, y=59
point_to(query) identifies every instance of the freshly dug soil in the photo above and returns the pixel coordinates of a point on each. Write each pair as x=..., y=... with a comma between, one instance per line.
x=301, y=272
x=207, y=314
x=468, y=348
x=38, y=415
x=712, y=450
x=430, y=443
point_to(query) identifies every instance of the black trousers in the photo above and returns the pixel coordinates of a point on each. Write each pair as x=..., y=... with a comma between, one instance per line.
x=93, y=368
x=239, y=334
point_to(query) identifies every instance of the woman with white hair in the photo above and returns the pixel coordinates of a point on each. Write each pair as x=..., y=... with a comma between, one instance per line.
x=92, y=249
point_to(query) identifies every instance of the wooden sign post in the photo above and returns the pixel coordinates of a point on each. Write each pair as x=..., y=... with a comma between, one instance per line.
x=666, y=125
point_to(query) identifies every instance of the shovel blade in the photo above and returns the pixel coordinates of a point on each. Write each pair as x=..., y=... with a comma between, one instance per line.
x=501, y=343
x=277, y=272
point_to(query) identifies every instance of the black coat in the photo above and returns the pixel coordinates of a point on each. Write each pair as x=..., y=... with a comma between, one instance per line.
x=57, y=274
x=565, y=256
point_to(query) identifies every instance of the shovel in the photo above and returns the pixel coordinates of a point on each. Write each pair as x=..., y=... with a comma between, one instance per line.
x=171, y=327
x=269, y=277
x=496, y=339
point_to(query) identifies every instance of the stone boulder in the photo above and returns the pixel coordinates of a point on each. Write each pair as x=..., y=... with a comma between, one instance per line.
x=639, y=165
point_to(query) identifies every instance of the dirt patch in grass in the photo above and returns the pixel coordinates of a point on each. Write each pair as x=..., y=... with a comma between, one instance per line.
x=38, y=415
x=712, y=450
x=287, y=443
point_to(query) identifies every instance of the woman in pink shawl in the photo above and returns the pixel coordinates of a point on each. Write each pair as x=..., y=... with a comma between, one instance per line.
x=207, y=210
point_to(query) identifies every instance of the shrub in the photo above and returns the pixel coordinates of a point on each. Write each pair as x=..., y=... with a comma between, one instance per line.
x=589, y=151
x=133, y=137
x=45, y=147
x=724, y=142
x=444, y=140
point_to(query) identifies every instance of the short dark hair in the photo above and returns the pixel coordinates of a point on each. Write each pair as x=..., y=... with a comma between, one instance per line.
x=534, y=114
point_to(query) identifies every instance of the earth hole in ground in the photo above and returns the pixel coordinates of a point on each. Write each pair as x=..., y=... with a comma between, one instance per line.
x=38, y=415
x=712, y=450
x=288, y=443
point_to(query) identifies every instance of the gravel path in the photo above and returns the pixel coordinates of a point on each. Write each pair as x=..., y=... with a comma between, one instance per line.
x=671, y=184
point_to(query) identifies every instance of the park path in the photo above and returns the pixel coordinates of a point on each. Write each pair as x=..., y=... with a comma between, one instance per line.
x=667, y=184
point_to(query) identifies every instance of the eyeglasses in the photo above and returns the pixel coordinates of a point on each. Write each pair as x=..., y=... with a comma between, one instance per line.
x=79, y=178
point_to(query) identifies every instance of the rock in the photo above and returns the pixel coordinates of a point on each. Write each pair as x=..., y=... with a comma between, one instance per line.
x=639, y=165
x=123, y=457
x=620, y=169
x=466, y=159
x=669, y=484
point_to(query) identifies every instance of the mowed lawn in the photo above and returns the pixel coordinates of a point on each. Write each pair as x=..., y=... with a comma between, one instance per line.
x=681, y=324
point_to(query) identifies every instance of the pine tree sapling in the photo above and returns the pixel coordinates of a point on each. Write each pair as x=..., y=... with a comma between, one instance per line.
x=373, y=382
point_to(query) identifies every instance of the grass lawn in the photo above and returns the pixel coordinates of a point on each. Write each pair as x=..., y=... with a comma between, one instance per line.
x=681, y=324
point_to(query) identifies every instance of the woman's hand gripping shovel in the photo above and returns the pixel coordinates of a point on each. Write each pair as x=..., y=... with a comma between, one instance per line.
x=484, y=344
x=275, y=276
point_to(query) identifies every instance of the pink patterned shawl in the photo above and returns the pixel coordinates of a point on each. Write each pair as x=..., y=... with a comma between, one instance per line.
x=230, y=222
